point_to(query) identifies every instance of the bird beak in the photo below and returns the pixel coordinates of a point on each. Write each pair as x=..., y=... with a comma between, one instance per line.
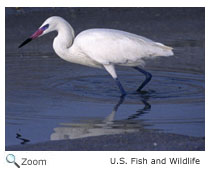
x=35, y=35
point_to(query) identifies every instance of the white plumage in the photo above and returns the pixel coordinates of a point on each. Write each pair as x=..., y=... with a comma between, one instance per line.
x=108, y=46
x=102, y=48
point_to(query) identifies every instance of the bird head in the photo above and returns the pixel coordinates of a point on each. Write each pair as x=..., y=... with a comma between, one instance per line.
x=48, y=26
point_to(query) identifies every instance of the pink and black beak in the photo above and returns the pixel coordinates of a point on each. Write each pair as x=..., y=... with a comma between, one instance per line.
x=35, y=35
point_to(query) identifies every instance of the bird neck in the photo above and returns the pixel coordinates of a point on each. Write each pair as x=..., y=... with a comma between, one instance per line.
x=64, y=40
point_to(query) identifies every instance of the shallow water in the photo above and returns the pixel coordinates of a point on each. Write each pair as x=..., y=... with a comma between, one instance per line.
x=50, y=99
x=54, y=100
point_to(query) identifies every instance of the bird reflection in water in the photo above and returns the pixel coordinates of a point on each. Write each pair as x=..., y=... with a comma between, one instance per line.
x=108, y=126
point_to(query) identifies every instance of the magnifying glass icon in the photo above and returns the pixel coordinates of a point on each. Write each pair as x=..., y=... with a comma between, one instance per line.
x=11, y=159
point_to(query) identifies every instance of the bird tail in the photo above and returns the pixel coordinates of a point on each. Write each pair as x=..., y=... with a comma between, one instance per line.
x=166, y=50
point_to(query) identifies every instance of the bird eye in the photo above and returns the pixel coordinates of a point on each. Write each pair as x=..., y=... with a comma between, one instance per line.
x=45, y=27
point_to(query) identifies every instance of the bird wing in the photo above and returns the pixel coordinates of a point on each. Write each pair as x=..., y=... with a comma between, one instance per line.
x=108, y=46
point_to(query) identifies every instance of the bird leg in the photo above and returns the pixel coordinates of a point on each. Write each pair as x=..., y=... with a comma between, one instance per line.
x=123, y=93
x=147, y=75
x=111, y=70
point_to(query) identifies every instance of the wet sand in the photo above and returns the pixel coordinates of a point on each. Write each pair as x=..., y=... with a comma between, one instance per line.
x=142, y=141
x=72, y=107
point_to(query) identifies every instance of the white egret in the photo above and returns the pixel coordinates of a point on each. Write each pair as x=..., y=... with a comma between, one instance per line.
x=102, y=48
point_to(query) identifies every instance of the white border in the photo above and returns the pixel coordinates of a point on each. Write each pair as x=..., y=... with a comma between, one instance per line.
x=104, y=3
x=99, y=160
